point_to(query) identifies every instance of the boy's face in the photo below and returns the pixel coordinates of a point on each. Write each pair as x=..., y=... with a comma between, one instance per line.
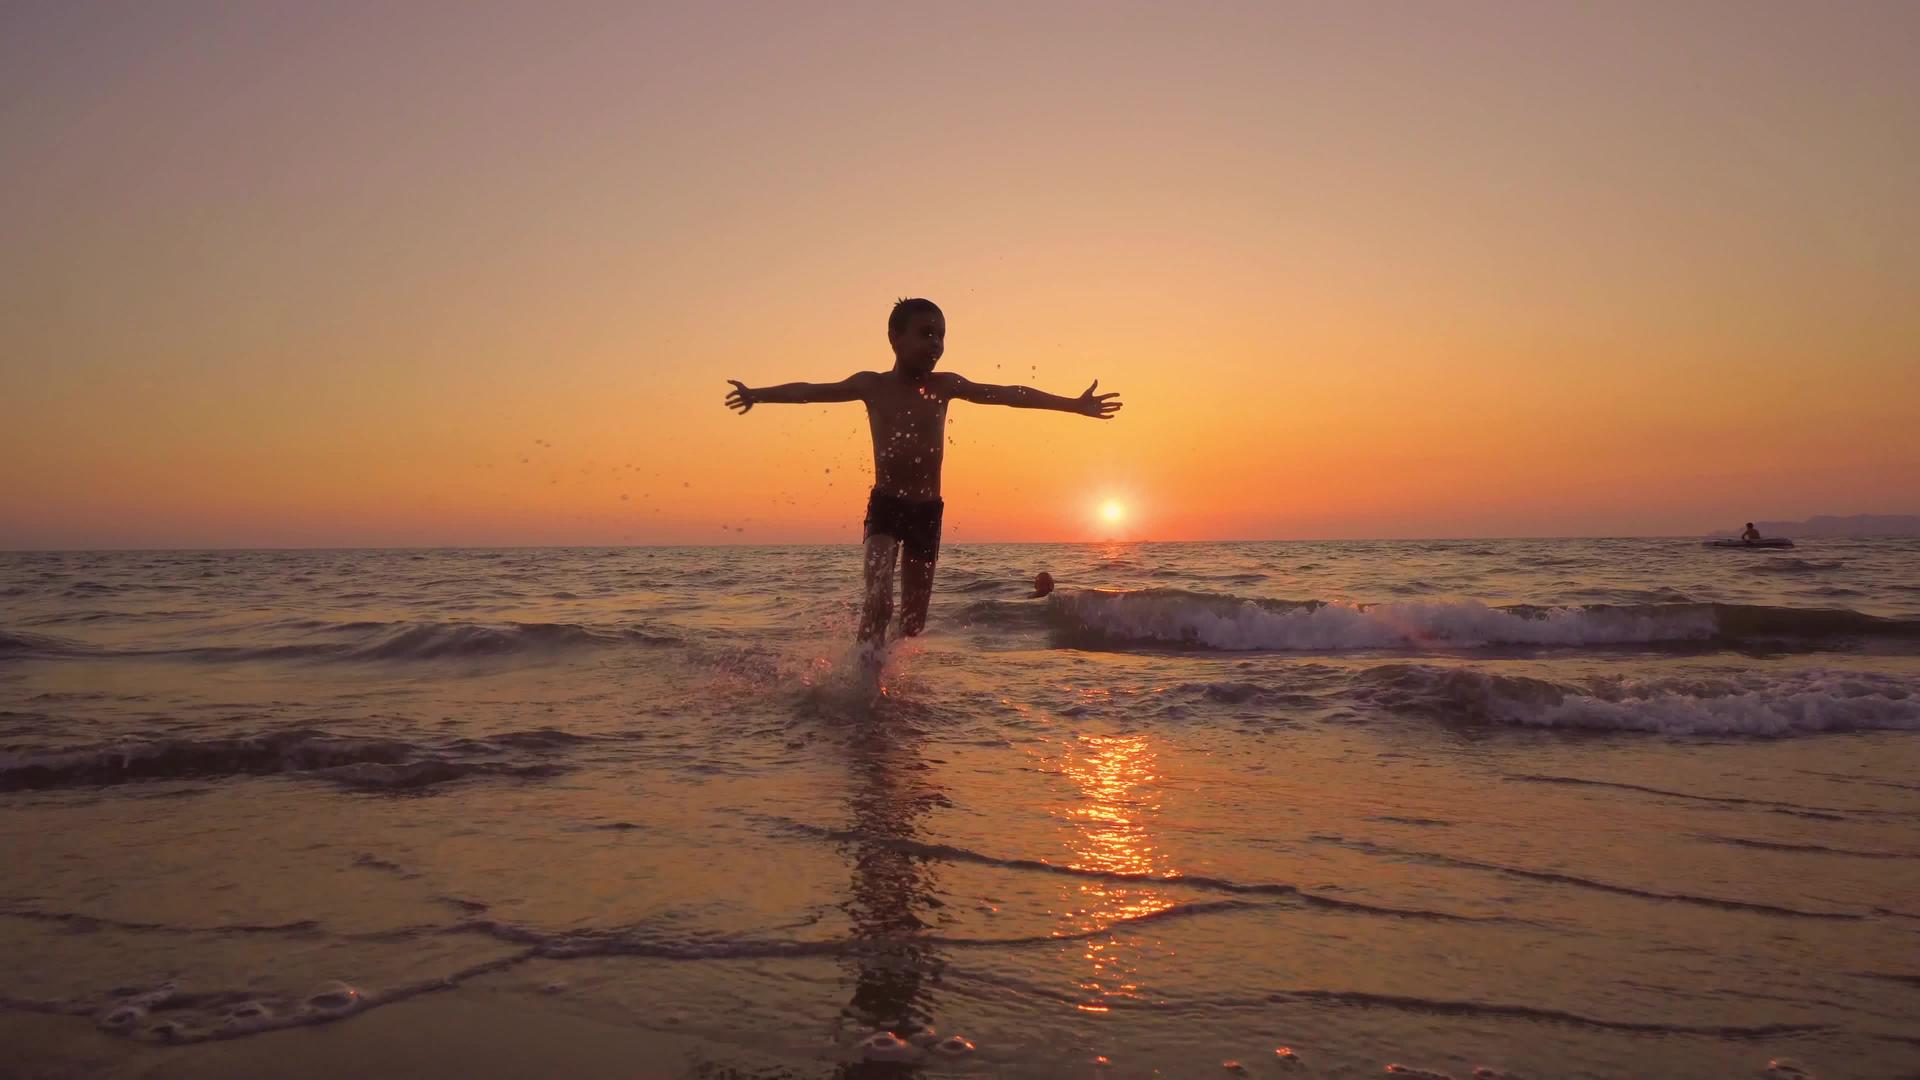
x=919, y=345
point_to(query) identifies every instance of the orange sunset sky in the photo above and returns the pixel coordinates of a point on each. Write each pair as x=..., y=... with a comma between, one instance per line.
x=292, y=274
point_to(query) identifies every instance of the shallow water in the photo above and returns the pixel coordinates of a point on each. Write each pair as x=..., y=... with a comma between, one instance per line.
x=1554, y=808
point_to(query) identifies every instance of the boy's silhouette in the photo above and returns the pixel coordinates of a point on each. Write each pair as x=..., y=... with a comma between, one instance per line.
x=907, y=411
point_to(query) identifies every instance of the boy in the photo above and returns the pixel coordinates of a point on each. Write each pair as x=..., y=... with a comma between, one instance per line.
x=907, y=413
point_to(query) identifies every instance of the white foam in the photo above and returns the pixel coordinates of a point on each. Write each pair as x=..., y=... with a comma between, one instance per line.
x=334, y=998
x=1768, y=703
x=122, y=1017
x=1772, y=704
x=247, y=1016
x=887, y=1047
x=1228, y=624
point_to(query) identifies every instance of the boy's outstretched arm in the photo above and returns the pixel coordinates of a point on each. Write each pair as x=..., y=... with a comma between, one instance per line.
x=743, y=398
x=1101, y=407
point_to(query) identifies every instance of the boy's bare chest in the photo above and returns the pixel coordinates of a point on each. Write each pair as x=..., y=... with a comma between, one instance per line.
x=907, y=411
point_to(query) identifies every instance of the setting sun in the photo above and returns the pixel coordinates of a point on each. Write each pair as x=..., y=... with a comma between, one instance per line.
x=1112, y=512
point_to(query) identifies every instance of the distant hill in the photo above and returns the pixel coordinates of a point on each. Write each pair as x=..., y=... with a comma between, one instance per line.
x=1827, y=526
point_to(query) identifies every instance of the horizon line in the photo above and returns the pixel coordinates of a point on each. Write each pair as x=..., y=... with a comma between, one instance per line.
x=855, y=545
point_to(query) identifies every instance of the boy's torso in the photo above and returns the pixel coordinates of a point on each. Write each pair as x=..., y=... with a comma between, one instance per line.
x=908, y=420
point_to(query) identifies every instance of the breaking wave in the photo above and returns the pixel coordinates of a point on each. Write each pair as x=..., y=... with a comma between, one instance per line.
x=369, y=641
x=1181, y=619
x=353, y=763
x=1767, y=704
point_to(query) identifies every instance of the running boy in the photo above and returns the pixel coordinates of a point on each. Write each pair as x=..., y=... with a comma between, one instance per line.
x=907, y=413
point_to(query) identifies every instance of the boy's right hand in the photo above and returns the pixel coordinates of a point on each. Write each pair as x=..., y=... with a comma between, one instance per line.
x=740, y=399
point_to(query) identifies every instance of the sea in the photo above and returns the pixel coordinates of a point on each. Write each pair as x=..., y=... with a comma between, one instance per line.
x=1468, y=808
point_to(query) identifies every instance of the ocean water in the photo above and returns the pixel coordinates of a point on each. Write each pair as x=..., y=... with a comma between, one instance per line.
x=1557, y=808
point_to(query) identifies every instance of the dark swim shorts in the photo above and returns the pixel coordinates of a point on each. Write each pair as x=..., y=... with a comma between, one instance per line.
x=913, y=522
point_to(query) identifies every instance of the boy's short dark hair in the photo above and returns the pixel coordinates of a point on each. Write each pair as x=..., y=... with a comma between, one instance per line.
x=906, y=308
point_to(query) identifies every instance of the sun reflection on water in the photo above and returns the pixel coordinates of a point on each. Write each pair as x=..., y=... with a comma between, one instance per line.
x=1119, y=795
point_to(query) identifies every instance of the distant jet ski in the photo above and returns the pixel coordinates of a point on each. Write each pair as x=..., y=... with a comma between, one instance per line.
x=1769, y=542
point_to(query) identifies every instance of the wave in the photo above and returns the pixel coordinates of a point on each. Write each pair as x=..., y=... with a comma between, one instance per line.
x=1471, y=1009
x=169, y=1013
x=1182, y=619
x=1242, y=577
x=434, y=641
x=21, y=644
x=1020, y=614
x=1818, y=813
x=353, y=763
x=1809, y=849
x=953, y=853
x=1791, y=566
x=1487, y=1009
x=369, y=641
x=103, y=615
x=1772, y=704
x=1575, y=881
x=1230, y=692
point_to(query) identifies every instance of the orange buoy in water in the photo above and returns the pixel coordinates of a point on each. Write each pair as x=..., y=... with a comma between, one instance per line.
x=1042, y=583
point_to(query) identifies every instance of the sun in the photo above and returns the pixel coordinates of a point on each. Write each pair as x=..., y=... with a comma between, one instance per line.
x=1112, y=512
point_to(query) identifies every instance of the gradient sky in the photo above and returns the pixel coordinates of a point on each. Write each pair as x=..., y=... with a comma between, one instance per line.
x=290, y=274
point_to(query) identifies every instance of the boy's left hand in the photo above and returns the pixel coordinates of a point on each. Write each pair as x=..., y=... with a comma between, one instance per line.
x=1100, y=408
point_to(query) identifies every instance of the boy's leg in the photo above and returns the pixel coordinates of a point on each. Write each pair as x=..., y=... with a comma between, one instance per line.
x=916, y=588
x=877, y=607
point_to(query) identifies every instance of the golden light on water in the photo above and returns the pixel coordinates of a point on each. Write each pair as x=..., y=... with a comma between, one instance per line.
x=1117, y=784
